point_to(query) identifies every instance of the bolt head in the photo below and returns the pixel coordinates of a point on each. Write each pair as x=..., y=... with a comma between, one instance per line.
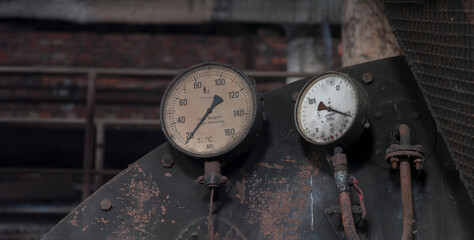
x=418, y=166
x=394, y=165
x=105, y=204
x=167, y=161
x=201, y=179
x=295, y=96
x=367, y=78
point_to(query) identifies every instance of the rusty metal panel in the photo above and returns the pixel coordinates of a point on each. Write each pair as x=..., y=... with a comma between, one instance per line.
x=283, y=187
x=437, y=38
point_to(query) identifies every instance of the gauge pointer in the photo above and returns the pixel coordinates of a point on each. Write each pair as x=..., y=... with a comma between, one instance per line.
x=322, y=106
x=215, y=102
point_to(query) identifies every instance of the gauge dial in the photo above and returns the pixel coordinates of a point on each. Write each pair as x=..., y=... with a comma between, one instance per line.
x=331, y=110
x=210, y=109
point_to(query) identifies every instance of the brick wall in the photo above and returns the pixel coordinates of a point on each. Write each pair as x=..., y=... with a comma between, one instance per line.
x=63, y=95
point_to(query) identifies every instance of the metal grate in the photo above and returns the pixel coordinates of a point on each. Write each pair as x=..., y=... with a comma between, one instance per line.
x=437, y=38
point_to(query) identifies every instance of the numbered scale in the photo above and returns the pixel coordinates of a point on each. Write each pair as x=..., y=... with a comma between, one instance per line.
x=331, y=110
x=211, y=110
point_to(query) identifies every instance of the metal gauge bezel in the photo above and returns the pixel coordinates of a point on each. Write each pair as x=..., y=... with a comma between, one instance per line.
x=246, y=139
x=356, y=127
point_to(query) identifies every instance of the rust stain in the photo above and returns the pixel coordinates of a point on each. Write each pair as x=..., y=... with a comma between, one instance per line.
x=103, y=220
x=267, y=165
x=287, y=159
x=163, y=210
x=74, y=222
x=264, y=164
x=85, y=228
x=143, y=192
x=277, y=166
x=167, y=174
x=277, y=203
x=241, y=189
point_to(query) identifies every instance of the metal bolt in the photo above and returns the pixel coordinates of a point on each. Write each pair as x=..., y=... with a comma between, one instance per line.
x=394, y=165
x=418, y=166
x=418, y=162
x=167, y=161
x=295, y=96
x=200, y=179
x=224, y=179
x=367, y=78
x=378, y=115
x=105, y=204
x=417, y=115
x=394, y=161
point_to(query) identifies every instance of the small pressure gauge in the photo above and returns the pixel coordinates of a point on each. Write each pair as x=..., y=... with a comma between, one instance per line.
x=211, y=110
x=331, y=110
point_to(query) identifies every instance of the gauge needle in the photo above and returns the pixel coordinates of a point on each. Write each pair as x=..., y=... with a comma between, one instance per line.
x=215, y=102
x=322, y=106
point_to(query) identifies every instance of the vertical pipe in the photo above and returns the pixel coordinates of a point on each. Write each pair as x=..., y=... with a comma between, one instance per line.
x=99, y=154
x=347, y=217
x=405, y=185
x=89, y=136
x=339, y=164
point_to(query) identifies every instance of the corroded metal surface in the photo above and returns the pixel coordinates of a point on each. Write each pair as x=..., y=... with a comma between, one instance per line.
x=341, y=176
x=283, y=185
x=437, y=39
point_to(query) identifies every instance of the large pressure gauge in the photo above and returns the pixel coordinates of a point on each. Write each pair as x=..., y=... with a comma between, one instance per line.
x=211, y=110
x=331, y=110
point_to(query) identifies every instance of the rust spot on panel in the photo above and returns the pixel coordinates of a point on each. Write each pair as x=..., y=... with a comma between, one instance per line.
x=74, y=222
x=277, y=166
x=277, y=203
x=167, y=174
x=264, y=164
x=163, y=210
x=241, y=189
x=267, y=165
x=143, y=192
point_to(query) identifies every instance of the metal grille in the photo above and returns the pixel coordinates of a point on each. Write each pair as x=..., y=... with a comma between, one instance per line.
x=437, y=39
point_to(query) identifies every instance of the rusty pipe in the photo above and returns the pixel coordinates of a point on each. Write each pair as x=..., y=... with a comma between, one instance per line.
x=405, y=186
x=339, y=164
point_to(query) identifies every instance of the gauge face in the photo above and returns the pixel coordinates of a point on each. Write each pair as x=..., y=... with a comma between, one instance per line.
x=327, y=108
x=208, y=110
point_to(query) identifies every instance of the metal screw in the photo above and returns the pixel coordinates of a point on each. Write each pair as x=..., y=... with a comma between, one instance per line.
x=200, y=179
x=378, y=115
x=224, y=179
x=167, y=161
x=394, y=162
x=367, y=78
x=105, y=204
x=418, y=162
x=295, y=96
